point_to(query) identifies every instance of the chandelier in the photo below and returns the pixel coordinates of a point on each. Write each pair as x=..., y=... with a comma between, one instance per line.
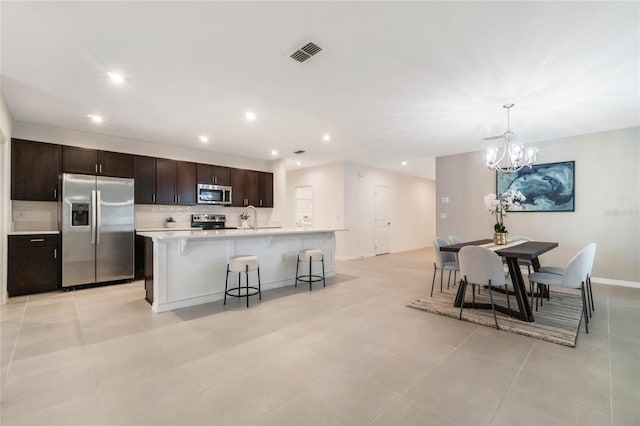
x=518, y=155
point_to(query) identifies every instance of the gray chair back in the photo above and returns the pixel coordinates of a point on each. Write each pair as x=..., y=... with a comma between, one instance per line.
x=442, y=257
x=576, y=271
x=478, y=265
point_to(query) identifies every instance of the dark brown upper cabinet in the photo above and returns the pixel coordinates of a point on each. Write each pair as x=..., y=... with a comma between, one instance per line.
x=35, y=167
x=144, y=175
x=213, y=175
x=265, y=189
x=186, y=183
x=175, y=182
x=245, y=187
x=94, y=162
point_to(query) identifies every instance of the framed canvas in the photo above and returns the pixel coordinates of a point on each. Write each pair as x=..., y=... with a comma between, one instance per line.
x=548, y=187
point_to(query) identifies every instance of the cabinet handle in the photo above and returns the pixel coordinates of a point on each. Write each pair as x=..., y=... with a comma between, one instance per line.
x=55, y=253
x=260, y=203
x=96, y=168
x=55, y=194
x=100, y=168
x=215, y=179
x=37, y=240
x=178, y=198
x=153, y=198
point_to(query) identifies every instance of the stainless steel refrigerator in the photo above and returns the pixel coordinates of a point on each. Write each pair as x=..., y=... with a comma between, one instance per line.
x=97, y=226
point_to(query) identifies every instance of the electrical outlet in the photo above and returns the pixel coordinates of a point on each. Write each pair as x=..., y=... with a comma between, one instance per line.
x=443, y=215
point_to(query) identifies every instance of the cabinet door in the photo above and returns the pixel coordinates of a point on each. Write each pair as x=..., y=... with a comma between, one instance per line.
x=245, y=187
x=144, y=175
x=221, y=175
x=165, y=181
x=186, y=183
x=33, y=264
x=35, y=167
x=115, y=164
x=79, y=160
x=265, y=190
x=203, y=174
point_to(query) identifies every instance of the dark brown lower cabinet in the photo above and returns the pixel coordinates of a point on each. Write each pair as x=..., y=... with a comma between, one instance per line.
x=148, y=269
x=34, y=265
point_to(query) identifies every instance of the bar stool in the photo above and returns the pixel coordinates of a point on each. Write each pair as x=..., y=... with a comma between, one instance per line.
x=310, y=255
x=241, y=264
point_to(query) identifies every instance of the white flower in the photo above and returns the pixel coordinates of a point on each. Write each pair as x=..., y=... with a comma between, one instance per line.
x=498, y=206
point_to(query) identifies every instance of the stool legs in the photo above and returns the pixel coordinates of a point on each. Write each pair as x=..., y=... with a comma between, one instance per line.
x=246, y=277
x=309, y=273
x=226, y=283
x=324, y=282
x=297, y=265
x=259, y=286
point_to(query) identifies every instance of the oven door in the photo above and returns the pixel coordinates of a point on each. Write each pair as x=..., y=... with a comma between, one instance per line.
x=214, y=194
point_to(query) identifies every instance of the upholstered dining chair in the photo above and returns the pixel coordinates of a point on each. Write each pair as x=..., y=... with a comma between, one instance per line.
x=481, y=266
x=558, y=270
x=453, y=239
x=443, y=261
x=574, y=276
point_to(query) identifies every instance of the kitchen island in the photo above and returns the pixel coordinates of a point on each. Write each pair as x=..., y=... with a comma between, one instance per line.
x=189, y=267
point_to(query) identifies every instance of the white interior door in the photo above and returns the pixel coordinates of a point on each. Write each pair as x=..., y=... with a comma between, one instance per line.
x=304, y=206
x=382, y=220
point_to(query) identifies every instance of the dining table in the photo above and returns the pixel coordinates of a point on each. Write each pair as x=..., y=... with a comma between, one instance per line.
x=512, y=252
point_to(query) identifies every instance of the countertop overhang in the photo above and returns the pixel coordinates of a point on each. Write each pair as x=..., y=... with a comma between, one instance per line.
x=169, y=235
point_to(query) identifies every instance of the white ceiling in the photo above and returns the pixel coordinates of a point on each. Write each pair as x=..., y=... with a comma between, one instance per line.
x=395, y=82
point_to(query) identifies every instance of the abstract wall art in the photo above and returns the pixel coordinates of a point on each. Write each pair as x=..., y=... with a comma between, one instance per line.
x=548, y=187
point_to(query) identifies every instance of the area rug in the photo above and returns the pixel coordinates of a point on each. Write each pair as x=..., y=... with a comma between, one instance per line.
x=557, y=321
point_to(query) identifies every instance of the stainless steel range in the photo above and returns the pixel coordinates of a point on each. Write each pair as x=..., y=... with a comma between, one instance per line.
x=209, y=221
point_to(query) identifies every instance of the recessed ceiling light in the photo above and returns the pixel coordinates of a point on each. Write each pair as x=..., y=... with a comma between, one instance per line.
x=95, y=118
x=116, y=77
x=298, y=163
x=250, y=116
x=274, y=152
x=326, y=137
x=404, y=163
x=203, y=138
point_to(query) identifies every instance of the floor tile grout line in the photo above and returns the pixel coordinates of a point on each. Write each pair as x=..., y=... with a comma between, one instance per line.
x=15, y=343
x=512, y=382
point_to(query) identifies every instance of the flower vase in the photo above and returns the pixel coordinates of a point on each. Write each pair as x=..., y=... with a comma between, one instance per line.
x=500, y=238
x=170, y=224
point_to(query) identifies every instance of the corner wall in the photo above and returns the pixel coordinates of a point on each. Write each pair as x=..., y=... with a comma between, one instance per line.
x=607, y=202
x=5, y=191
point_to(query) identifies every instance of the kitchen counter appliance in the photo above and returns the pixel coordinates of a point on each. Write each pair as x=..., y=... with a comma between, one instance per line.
x=209, y=221
x=97, y=226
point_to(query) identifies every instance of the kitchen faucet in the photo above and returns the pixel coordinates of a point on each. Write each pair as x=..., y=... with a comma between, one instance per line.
x=245, y=216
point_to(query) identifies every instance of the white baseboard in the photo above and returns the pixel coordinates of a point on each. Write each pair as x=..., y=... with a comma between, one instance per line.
x=622, y=283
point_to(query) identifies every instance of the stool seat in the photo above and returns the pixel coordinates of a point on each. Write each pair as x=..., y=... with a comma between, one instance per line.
x=315, y=255
x=310, y=255
x=240, y=264
x=243, y=263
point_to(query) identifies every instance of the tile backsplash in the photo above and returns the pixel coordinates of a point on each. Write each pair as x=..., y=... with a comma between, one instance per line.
x=34, y=216
x=43, y=215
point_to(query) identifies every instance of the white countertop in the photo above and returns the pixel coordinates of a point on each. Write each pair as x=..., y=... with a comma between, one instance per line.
x=231, y=233
x=32, y=232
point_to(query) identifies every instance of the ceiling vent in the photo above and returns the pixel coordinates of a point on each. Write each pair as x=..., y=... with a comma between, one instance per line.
x=306, y=52
x=300, y=151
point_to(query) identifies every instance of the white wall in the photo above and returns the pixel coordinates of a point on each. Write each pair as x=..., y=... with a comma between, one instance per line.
x=343, y=196
x=607, y=202
x=5, y=191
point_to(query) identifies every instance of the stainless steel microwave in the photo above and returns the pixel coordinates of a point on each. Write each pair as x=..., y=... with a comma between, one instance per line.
x=214, y=194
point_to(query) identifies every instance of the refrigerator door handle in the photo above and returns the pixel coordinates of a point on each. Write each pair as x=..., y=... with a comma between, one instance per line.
x=93, y=217
x=98, y=207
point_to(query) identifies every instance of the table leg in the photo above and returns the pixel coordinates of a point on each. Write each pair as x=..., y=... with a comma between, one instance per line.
x=519, y=290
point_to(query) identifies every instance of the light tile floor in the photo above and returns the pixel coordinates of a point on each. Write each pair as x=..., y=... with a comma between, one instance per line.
x=348, y=354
